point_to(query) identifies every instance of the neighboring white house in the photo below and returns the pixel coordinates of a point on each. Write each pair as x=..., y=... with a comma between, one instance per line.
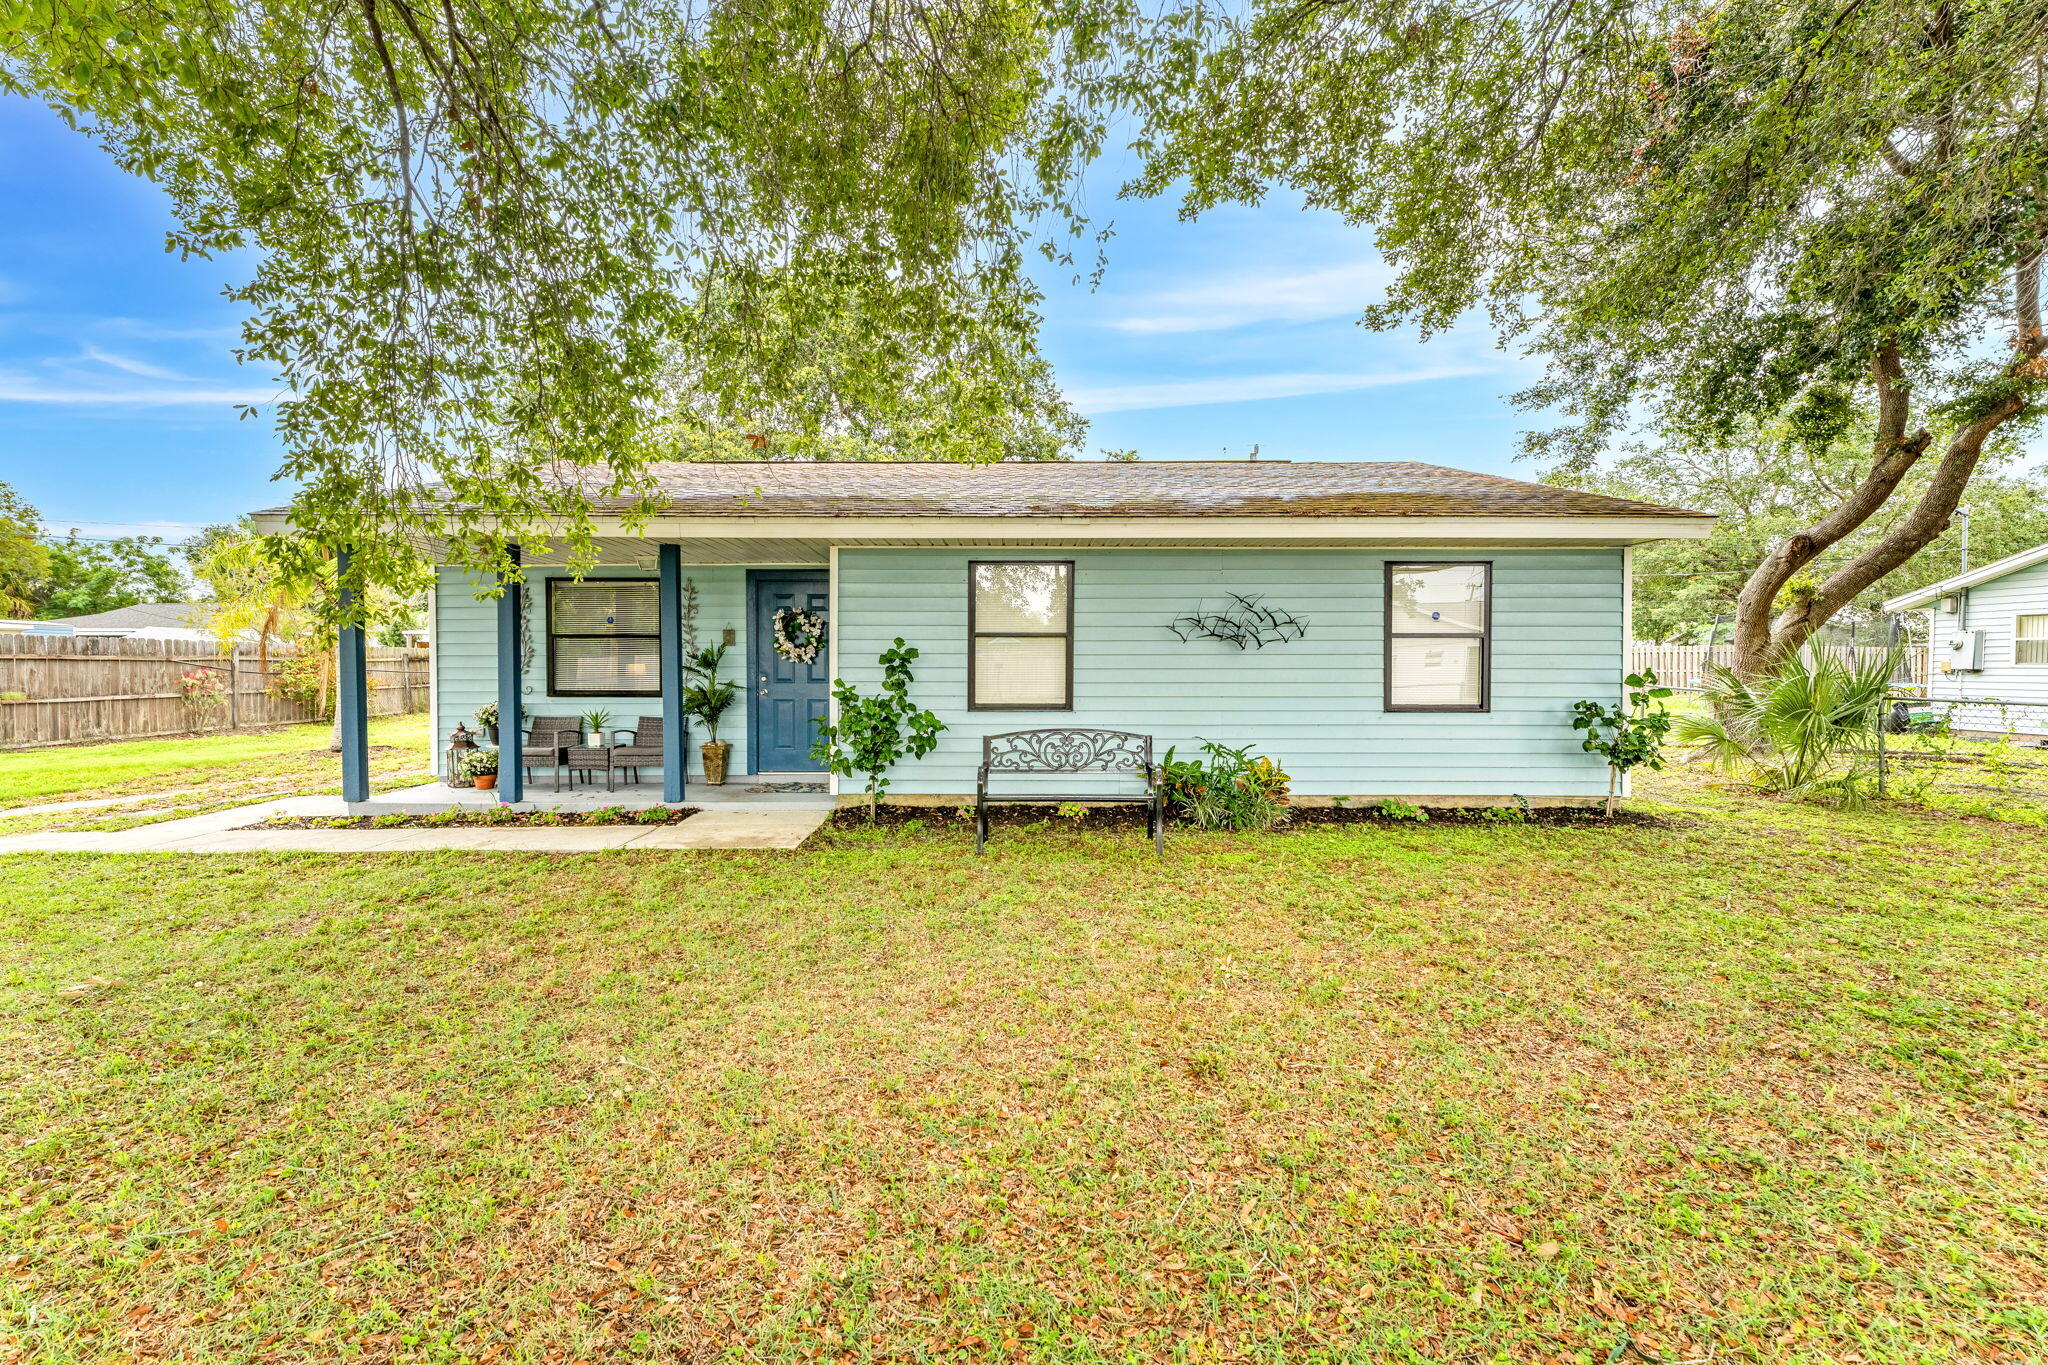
x=1988, y=639
x=148, y=621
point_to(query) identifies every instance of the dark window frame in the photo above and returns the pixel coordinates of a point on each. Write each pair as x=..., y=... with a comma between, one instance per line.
x=975, y=633
x=557, y=691
x=1388, y=635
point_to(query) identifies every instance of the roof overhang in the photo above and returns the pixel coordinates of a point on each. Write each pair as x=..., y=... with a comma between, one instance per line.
x=1997, y=568
x=1221, y=531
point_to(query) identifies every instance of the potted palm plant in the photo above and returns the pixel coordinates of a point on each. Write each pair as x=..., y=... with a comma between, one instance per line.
x=593, y=727
x=705, y=701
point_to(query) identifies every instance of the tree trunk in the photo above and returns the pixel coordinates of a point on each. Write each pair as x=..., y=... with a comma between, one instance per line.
x=1613, y=775
x=1762, y=640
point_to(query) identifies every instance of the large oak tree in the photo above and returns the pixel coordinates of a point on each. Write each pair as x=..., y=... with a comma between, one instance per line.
x=1705, y=218
x=490, y=234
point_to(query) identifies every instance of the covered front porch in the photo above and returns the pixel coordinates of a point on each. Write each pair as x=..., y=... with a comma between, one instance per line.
x=624, y=640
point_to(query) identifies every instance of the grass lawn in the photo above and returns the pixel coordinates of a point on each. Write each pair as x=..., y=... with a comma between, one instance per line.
x=1768, y=1083
x=187, y=774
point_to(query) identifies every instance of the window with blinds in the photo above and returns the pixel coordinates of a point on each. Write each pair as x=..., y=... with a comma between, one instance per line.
x=1020, y=636
x=2030, y=640
x=604, y=638
x=1439, y=637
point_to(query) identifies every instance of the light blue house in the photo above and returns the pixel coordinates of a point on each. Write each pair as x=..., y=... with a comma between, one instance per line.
x=1377, y=629
x=1987, y=643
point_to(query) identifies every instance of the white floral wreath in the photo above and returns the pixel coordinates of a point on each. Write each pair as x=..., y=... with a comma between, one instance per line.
x=799, y=634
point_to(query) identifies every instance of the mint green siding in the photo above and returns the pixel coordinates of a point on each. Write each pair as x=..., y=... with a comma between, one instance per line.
x=1313, y=704
x=465, y=652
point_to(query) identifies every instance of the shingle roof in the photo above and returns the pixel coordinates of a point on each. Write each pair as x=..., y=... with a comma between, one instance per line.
x=1214, y=488
x=180, y=615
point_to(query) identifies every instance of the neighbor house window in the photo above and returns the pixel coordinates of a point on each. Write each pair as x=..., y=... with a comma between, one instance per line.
x=1439, y=629
x=604, y=638
x=1020, y=636
x=2030, y=640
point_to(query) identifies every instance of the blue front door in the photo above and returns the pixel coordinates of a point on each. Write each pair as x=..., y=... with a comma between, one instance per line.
x=788, y=698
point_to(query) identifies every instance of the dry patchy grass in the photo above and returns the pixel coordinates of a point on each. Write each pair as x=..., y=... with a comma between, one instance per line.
x=1766, y=1083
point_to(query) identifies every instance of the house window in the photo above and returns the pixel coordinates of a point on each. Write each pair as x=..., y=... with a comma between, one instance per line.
x=1439, y=637
x=2030, y=640
x=604, y=638
x=1020, y=636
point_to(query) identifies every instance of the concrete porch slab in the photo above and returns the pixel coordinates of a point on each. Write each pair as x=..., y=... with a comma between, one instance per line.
x=223, y=832
x=430, y=797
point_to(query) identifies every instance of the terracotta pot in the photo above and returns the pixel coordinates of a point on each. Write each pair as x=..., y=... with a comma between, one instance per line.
x=715, y=758
x=486, y=781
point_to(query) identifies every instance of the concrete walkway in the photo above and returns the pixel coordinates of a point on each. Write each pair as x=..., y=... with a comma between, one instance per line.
x=221, y=832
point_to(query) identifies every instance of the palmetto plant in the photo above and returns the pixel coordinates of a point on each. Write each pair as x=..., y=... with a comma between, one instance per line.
x=1807, y=728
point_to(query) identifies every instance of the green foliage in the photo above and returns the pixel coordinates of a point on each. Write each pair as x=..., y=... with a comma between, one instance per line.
x=594, y=722
x=1394, y=808
x=23, y=559
x=303, y=678
x=84, y=576
x=1517, y=814
x=1229, y=789
x=708, y=698
x=1807, y=729
x=485, y=237
x=1630, y=735
x=873, y=733
x=487, y=714
x=478, y=762
x=1767, y=486
x=1705, y=219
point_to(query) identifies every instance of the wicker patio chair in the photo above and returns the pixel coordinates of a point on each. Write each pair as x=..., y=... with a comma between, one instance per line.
x=548, y=744
x=642, y=747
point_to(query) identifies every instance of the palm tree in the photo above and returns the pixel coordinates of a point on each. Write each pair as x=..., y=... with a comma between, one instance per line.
x=1807, y=728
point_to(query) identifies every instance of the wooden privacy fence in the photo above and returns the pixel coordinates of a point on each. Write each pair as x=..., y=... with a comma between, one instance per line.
x=93, y=687
x=1686, y=665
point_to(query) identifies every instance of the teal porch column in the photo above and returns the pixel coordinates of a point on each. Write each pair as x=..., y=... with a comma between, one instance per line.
x=675, y=754
x=352, y=687
x=511, y=725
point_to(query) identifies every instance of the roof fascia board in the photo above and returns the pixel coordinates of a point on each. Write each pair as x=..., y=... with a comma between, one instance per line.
x=1592, y=530
x=1997, y=568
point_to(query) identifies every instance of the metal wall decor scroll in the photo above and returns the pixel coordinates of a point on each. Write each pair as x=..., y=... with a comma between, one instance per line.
x=1247, y=623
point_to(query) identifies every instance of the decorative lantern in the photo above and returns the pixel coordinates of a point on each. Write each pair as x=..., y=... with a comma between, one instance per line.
x=459, y=743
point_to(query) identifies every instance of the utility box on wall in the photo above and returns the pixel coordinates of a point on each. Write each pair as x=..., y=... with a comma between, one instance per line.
x=1964, y=652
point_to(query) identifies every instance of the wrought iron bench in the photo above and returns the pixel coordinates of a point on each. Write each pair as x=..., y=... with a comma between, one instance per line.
x=1066, y=751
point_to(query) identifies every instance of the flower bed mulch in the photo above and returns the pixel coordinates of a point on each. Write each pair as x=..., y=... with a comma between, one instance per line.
x=489, y=819
x=1133, y=815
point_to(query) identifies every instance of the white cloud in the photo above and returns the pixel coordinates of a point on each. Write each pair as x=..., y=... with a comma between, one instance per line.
x=1240, y=299
x=141, y=369
x=1253, y=387
x=20, y=388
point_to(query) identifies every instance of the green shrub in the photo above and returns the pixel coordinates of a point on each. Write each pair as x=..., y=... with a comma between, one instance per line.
x=873, y=733
x=1230, y=790
x=1807, y=729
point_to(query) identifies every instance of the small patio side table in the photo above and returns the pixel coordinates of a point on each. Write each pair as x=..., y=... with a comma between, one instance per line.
x=587, y=758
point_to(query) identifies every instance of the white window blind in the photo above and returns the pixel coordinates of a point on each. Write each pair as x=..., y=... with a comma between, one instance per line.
x=1021, y=637
x=1439, y=623
x=2030, y=640
x=604, y=638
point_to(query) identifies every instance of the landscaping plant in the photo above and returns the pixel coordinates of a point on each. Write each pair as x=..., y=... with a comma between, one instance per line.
x=706, y=700
x=1231, y=790
x=1627, y=736
x=1806, y=728
x=873, y=733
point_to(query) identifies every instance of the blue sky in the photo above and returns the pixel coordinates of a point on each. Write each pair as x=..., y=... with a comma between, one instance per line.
x=117, y=377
